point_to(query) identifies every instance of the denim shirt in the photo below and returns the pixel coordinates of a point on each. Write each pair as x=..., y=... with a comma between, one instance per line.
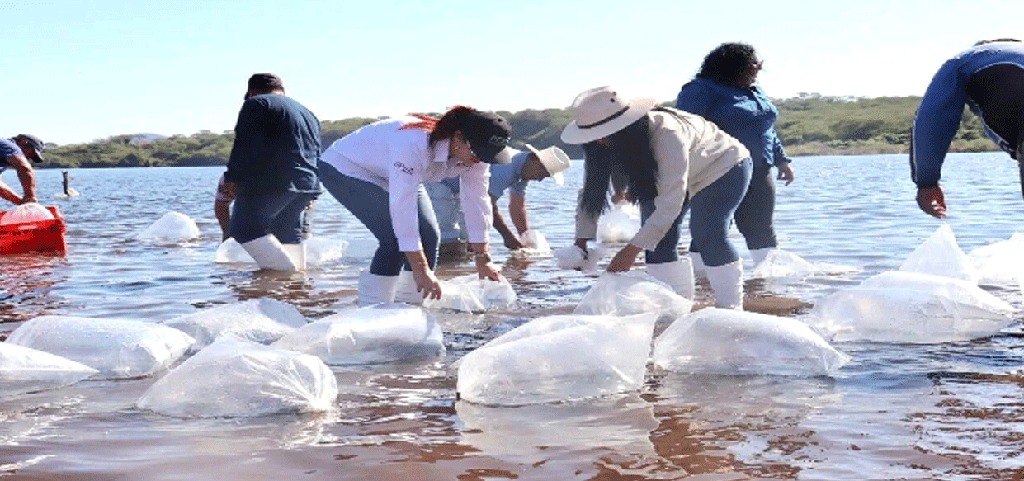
x=744, y=113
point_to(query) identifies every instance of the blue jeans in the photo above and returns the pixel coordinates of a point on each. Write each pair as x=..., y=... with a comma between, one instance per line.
x=279, y=213
x=712, y=210
x=755, y=215
x=371, y=205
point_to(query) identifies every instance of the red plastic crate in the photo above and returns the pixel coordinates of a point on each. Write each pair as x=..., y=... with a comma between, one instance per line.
x=45, y=236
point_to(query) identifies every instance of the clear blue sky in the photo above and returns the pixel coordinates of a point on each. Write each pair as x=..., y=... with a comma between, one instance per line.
x=78, y=70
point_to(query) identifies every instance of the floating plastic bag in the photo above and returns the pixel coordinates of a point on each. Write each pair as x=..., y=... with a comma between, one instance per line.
x=559, y=358
x=258, y=320
x=172, y=227
x=469, y=293
x=319, y=252
x=24, y=370
x=369, y=335
x=726, y=341
x=940, y=255
x=118, y=348
x=235, y=378
x=25, y=213
x=633, y=292
x=779, y=263
x=619, y=224
x=910, y=307
x=574, y=258
x=1000, y=263
x=535, y=245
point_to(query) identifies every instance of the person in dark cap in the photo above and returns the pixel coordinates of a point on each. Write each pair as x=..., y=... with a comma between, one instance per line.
x=272, y=173
x=15, y=153
x=378, y=172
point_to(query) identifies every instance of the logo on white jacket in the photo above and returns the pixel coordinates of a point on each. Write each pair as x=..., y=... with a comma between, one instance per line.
x=405, y=170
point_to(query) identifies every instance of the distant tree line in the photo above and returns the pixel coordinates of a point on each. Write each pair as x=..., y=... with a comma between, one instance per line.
x=809, y=124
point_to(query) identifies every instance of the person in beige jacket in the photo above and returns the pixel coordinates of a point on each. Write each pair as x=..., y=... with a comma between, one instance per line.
x=667, y=156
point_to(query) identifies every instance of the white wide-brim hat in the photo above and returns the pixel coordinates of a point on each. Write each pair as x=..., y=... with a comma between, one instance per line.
x=600, y=112
x=554, y=160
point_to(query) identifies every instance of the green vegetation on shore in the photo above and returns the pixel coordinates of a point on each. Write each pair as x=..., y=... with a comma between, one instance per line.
x=809, y=125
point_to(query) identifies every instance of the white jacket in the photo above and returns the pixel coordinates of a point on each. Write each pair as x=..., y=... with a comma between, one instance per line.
x=399, y=161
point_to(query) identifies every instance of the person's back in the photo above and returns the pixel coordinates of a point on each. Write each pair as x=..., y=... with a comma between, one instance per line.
x=284, y=150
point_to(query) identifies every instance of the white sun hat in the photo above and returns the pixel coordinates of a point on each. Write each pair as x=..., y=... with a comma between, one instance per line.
x=600, y=112
x=554, y=160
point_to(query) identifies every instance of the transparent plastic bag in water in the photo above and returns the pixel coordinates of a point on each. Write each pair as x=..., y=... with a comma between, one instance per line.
x=559, y=358
x=633, y=292
x=369, y=335
x=236, y=378
x=171, y=228
x=24, y=370
x=727, y=341
x=469, y=293
x=940, y=255
x=25, y=213
x=619, y=224
x=258, y=320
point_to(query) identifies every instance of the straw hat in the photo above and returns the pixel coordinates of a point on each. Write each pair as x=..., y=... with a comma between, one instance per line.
x=600, y=112
x=554, y=160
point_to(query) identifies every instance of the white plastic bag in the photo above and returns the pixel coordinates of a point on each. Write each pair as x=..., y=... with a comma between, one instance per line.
x=24, y=370
x=727, y=341
x=783, y=264
x=559, y=358
x=619, y=224
x=469, y=293
x=1001, y=263
x=24, y=213
x=940, y=255
x=369, y=335
x=573, y=258
x=632, y=292
x=118, y=348
x=235, y=378
x=910, y=307
x=535, y=244
x=172, y=227
x=262, y=320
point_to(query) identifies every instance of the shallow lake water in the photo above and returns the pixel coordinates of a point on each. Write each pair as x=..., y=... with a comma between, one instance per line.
x=944, y=411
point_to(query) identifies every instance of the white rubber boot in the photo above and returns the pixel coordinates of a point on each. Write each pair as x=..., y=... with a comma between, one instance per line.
x=374, y=289
x=297, y=253
x=761, y=254
x=727, y=285
x=268, y=253
x=407, y=289
x=678, y=275
x=696, y=263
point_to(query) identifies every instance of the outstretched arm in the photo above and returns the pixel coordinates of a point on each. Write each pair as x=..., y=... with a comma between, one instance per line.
x=27, y=177
x=510, y=238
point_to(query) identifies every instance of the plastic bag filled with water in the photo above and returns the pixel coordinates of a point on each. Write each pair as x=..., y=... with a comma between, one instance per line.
x=574, y=258
x=534, y=244
x=783, y=264
x=940, y=255
x=117, y=348
x=236, y=378
x=24, y=370
x=469, y=293
x=1001, y=263
x=173, y=227
x=727, y=341
x=559, y=358
x=25, y=213
x=369, y=335
x=910, y=307
x=632, y=292
x=258, y=320
x=619, y=224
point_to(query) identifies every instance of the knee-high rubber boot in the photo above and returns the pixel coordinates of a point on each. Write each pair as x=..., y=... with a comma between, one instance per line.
x=407, y=289
x=678, y=275
x=727, y=285
x=761, y=254
x=268, y=253
x=374, y=289
x=297, y=253
x=696, y=263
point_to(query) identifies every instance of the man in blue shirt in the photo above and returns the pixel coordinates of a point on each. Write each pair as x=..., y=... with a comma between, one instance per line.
x=989, y=79
x=15, y=153
x=272, y=172
x=513, y=177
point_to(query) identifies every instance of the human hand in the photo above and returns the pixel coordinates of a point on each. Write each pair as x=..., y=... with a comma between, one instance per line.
x=786, y=172
x=29, y=199
x=932, y=201
x=512, y=243
x=624, y=259
x=427, y=284
x=488, y=270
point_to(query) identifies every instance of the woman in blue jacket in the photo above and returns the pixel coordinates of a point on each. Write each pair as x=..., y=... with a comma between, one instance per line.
x=725, y=92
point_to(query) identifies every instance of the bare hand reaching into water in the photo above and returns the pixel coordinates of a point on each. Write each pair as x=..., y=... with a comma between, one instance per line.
x=427, y=284
x=932, y=201
x=786, y=173
x=624, y=259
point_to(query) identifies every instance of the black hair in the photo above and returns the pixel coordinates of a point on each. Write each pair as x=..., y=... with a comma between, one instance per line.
x=629, y=149
x=727, y=63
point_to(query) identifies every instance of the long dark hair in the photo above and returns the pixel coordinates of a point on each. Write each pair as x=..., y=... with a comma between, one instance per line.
x=440, y=128
x=727, y=63
x=629, y=149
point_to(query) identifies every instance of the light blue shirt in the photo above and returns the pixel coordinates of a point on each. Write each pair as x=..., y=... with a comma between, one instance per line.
x=509, y=176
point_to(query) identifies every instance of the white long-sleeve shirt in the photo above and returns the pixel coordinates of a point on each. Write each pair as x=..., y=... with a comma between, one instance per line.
x=399, y=160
